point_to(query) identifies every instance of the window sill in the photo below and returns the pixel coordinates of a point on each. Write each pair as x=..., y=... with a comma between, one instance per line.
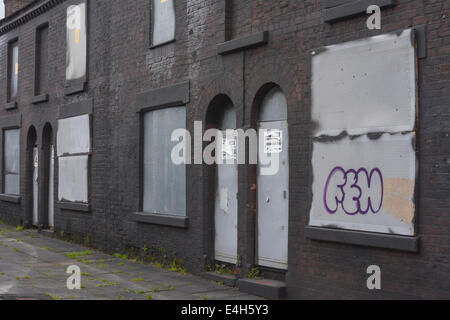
x=74, y=87
x=161, y=219
x=72, y=206
x=39, y=99
x=161, y=44
x=367, y=239
x=11, y=105
x=10, y=198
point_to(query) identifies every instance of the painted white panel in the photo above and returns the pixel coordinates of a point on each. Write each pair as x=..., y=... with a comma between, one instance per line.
x=12, y=161
x=225, y=213
x=363, y=184
x=51, y=203
x=274, y=106
x=76, y=42
x=163, y=21
x=225, y=208
x=12, y=151
x=35, y=186
x=12, y=184
x=74, y=135
x=365, y=86
x=273, y=202
x=14, y=71
x=164, y=182
x=73, y=179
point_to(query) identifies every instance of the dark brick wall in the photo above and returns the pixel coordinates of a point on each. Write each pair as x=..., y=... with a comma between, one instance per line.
x=121, y=65
x=12, y=6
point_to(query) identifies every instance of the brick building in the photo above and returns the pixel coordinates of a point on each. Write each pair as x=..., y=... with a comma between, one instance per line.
x=90, y=88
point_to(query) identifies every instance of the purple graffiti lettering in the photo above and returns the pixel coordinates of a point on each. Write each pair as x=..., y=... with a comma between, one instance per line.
x=355, y=191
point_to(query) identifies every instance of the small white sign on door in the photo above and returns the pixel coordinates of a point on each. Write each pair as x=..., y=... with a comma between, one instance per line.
x=273, y=141
x=229, y=147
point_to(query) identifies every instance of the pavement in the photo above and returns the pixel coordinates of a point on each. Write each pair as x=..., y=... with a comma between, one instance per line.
x=33, y=266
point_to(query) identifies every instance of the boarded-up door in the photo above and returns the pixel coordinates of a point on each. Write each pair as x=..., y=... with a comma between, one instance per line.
x=51, y=212
x=273, y=182
x=225, y=209
x=35, y=186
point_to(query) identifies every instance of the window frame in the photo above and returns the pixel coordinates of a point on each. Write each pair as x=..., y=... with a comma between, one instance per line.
x=40, y=95
x=74, y=86
x=4, y=130
x=178, y=95
x=73, y=110
x=11, y=103
x=142, y=168
x=151, y=27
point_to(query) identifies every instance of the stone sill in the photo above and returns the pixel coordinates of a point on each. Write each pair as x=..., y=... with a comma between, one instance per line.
x=367, y=239
x=39, y=99
x=161, y=219
x=10, y=198
x=11, y=105
x=72, y=206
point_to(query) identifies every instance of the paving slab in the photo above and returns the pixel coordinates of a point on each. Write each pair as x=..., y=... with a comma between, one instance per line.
x=33, y=267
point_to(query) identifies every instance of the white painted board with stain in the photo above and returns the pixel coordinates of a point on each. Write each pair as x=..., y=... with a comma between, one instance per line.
x=74, y=135
x=364, y=86
x=73, y=179
x=366, y=185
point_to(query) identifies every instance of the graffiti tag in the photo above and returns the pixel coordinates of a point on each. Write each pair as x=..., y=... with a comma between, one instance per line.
x=355, y=191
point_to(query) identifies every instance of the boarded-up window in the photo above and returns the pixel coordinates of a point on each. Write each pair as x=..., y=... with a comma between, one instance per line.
x=41, y=63
x=163, y=21
x=13, y=70
x=76, y=42
x=164, y=182
x=364, y=157
x=74, y=147
x=11, y=154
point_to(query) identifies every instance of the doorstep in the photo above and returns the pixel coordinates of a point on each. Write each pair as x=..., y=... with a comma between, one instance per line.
x=227, y=279
x=266, y=288
x=48, y=233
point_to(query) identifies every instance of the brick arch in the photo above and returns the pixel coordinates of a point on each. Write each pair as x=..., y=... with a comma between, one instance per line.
x=262, y=79
x=32, y=137
x=221, y=85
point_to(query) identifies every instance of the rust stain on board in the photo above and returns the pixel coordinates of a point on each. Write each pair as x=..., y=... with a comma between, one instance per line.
x=398, y=199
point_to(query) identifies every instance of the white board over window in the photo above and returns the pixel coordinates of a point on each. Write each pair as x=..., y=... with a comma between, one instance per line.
x=73, y=179
x=164, y=181
x=76, y=41
x=73, y=149
x=11, y=158
x=364, y=86
x=74, y=135
x=163, y=21
x=363, y=184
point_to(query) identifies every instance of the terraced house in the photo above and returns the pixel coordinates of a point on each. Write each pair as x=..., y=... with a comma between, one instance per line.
x=359, y=116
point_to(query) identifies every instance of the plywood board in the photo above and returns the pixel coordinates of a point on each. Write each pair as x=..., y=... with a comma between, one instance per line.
x=363, y=184
x=365, y=86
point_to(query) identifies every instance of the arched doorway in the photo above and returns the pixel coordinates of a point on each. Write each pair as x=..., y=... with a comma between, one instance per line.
x=222, y=182
x=273, y=181
x=32, y=176
x=47, y=173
